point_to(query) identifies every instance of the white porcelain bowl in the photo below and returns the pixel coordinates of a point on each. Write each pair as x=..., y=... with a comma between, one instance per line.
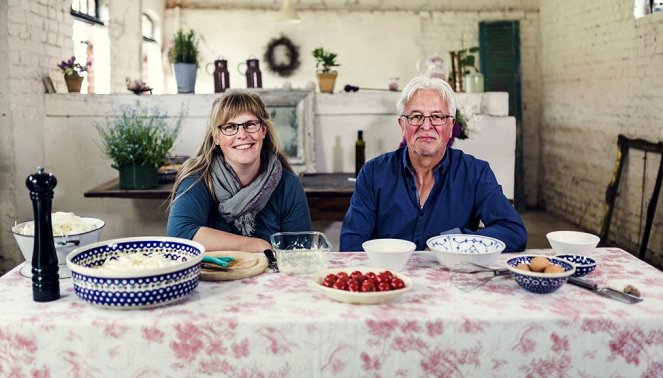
x=572, y=242
x=392, y=254
x=63, y=244
x=455, y=250
x=133, y=289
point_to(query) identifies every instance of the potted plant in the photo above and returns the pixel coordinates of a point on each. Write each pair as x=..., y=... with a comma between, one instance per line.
x=324, y=62
x=72, y=71
x=138, y=141
x=184, y=56
x=465, y=78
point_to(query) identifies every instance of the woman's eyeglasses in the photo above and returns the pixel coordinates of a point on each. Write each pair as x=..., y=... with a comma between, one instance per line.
x=231, y=129
x=436, y=119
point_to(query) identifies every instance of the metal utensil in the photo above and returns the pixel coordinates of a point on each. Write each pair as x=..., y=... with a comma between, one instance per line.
x=605, y=291
x=272, y=260
x=467, y=277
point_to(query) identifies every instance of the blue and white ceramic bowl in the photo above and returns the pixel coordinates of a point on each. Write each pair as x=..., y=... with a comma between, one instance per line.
x=149, y=287
x=454, y=250
x=584, y=265
x=536, y=282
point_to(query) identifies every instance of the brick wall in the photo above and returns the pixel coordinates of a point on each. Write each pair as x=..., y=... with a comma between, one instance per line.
x=34, y=36
x=600, y=77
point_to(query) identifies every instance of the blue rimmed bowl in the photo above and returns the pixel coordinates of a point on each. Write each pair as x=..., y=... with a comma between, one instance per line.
x=540, y=283
x=135, y=288
x=584, y=265
x=454, y=250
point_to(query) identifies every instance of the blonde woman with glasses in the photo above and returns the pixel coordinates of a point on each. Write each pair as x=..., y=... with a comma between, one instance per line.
x=239, y=188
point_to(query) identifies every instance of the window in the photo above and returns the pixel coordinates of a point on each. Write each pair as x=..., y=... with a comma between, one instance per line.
x=86, y=11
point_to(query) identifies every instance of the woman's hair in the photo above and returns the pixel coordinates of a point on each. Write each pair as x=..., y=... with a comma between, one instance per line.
x=232, y=104
x=425, y=82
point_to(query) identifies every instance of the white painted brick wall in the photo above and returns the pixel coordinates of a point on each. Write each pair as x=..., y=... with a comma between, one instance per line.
x=32, y=49
x=601, y=77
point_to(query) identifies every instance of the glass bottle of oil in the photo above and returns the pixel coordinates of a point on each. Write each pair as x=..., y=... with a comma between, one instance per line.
x=360, y=152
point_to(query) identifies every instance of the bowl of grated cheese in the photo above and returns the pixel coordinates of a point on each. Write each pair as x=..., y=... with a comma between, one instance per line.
x=136, y=272
x=69, y=232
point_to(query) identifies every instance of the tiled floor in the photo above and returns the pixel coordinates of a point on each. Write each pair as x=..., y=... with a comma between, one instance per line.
x=537, y=222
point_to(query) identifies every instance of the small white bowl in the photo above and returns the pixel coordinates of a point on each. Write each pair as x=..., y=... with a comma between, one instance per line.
x=572, y=242
x=455, y=250
x=392, y=254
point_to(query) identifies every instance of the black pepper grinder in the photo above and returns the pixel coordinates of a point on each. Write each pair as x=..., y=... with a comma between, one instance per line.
x=45, y=277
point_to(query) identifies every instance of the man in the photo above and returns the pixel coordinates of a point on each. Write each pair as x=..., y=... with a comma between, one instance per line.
x=425, y=189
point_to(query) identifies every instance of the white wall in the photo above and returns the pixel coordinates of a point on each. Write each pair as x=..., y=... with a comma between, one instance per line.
x=601, y=72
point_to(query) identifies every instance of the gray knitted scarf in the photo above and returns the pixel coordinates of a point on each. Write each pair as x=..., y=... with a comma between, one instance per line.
x=238, y=205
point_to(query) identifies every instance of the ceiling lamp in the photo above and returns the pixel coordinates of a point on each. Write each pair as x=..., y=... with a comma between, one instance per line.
x=288, y=13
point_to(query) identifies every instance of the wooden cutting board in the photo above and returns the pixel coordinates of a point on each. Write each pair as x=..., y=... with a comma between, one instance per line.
x=246, y=265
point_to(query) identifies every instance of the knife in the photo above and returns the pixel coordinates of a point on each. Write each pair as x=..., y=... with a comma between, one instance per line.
x=272, y=260
x=605, y=291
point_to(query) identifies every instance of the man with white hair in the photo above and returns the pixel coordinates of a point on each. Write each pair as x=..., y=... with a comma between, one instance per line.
x=426, y=188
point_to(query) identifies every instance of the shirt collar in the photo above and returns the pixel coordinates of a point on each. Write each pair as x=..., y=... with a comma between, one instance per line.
x=442, y=167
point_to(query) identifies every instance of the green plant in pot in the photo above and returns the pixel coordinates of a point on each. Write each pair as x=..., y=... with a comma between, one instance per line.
x=325, y=61
x=184, y=56
x=468, y=74
x=137, y=141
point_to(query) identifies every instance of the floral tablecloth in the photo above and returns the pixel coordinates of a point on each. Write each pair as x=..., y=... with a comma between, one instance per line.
x=275, y=325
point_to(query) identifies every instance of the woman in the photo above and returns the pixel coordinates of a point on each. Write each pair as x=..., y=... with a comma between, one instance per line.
x=239, y=188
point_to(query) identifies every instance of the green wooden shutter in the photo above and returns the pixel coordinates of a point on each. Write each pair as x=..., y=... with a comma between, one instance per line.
x=499, y=43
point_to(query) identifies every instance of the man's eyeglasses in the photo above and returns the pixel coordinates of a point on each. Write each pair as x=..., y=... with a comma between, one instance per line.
x=231, y=129
x=436, y=119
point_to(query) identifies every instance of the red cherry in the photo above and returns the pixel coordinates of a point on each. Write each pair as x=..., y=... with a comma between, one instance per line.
x=384, y=286
x=397, y=283
x=367, y=286
x=354, y=286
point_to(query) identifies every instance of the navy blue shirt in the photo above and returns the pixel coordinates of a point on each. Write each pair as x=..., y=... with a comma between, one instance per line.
x=385, y=203
x=286, y=210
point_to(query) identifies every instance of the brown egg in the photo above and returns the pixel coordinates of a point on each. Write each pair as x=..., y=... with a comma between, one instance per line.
x=539, y=264
x=522, y=266
x=554, y=268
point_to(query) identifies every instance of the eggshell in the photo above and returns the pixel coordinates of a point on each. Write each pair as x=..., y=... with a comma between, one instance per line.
x=539, y=264
x=553, y=268
x=523, y=266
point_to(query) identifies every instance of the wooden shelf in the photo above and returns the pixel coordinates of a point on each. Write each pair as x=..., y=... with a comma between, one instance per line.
x=328, y=194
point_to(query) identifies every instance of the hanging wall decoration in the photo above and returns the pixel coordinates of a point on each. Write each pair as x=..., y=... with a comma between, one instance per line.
x=282, y=56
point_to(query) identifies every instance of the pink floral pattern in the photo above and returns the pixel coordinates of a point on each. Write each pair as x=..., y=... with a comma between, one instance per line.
x=275, y=325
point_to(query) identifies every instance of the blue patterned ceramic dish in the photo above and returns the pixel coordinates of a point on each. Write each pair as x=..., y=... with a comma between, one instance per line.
x=584, y=265
x=536, y=282
x=149, y=287
x=454, y=250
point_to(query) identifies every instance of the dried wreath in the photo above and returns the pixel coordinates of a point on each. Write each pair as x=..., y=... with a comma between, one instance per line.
x=283, y=63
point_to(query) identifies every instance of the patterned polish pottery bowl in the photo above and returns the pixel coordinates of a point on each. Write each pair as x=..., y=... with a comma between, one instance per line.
x=584, y=265
x=540, y=283
x=455, y=250
x=133, y=273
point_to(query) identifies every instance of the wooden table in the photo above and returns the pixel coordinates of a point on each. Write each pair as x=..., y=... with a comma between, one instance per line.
x=328, y=194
